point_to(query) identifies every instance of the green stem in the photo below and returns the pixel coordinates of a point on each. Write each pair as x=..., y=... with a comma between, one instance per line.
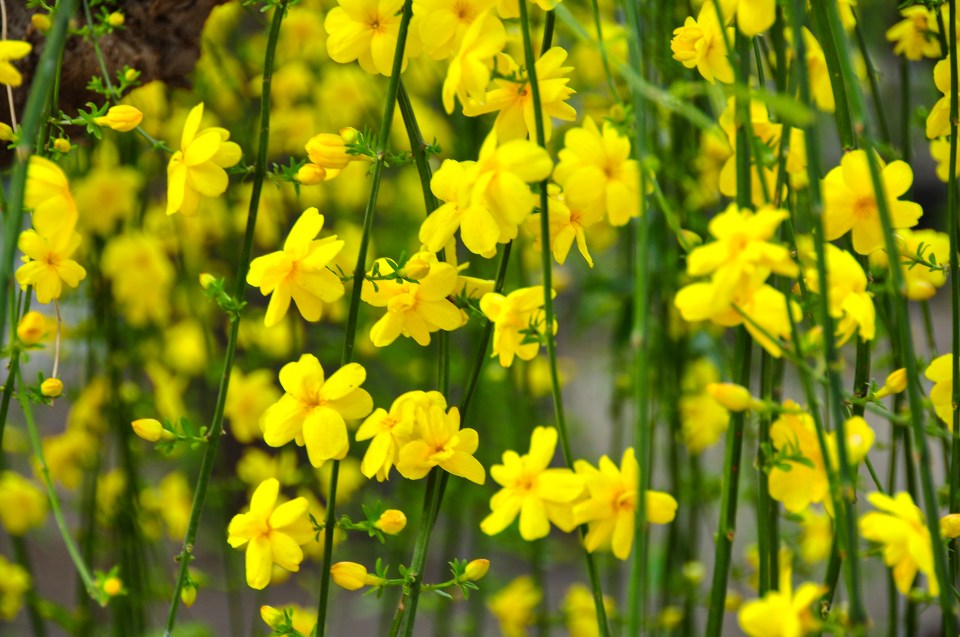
x=885, y=135
x=767, y=507
x=411, y=592
x=216, y=426
x=546, y=262
x=953, y=223
x=727, y=526
x=33, y=116
x=350, y=337
x=827, y=38
x=602, y=46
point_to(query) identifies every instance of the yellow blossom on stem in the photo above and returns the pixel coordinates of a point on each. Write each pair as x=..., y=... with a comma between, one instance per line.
x=12, y=50
x=699, y=44
x=538, y=494
x=733, y=397
x=848, y=299
x=580, y=611
x=15, y=581
x=328, y=156
x=47, y=263
x=799, y=477
x=896, y=382
x=513, y=99
x=898, y=526
x=48, y=194
x=611, y=505
x=570, y=215
x=476, y=569
x=366, y=31
x=940, y=152
x=198, y=167
x=122, y=118
x=314, y=410
x=598, y=164
x=850, y=204
x=518, y=322
x=299, y=271
x=922, y=281
x=151, y=430
x=389, y=431
x=915, y=37
x=782, y=612
x=414, y=308
x=940, y=371
x=352, y=576
x=248, y=397
x=703, y=419
x=440, y=442
x=265, y=530
x=938, y=120
x=469, y=71
x=950, y=526
x=514, y=605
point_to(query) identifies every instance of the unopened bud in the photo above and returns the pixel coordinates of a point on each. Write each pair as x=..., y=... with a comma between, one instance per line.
x=151, y=430
x=116, y=19
x=950, y=526
x=206, y=280
x=352, y=576
x=51, y=387
x=896, y=382
x=311, y=174
x=391, y=521
x=733, y=397
x=349, y=134
x=271, y=616
x=112, y=586
x=475, y=570
x=416, y=268
x=328, y=150
x=62, y=145
x=122, y=118
x=41, y=22
x=6, y=133
x=188, y=594
x=690, y=238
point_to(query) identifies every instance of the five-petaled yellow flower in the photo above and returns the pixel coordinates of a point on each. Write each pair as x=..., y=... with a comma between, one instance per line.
x=440, y=442
x=48, y=264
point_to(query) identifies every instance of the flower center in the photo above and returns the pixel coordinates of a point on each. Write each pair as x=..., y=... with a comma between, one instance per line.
x=864, y=207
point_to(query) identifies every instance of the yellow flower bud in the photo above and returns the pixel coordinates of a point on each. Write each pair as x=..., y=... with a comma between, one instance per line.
x=122, y=118
x=188, y=594
x=691, y=238
x=271, y=616
x=115, y=19
x=950, y=526
x=41, y=22
x=391, y=521
x=51, y=387
x=475, y=570
x=112, y=586
x=311, y=174
x=896, y=382
x=349, y=134
x=733, y=397
x=6, y=133
x=206, y=280
x=151, y=430
x=62, y=145
x=693, y=572
x=352, y=576
x=31, y=328
x=328, y=151
x=416, y=268
x=131, y=74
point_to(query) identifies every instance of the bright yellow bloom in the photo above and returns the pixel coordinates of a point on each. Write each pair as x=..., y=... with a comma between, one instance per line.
x=850, y=204
x=848, y=298
x=352, y=576
x=938, y=120
x=514, y=99
x=314, y=410
x=487, y=199
x=940, y=152
x=753, y=16
x=299, y=271
x=598, y=165
x=940, y=371
x=820, y=86
x=48, y=194
x=915, y=37
x=799, y=478
x=23, y=506
x=414, y=308
x=700, y=43
x=12, y=50
x=440, y=442
x=265, y=530
x=783, y=612
x=514, y=605
x=110, y=189
x=171, y=501
x=538, y=494
x=518, y=322
x=389, y=431
x=366, y=31
x=469, y=71
x=610, y=509
x=900, y=529
x=571, y=213
x=14, y=583
x=48, y=264
x=580, y=611
x=198, y=167
x=122, y=118
x=445, y=23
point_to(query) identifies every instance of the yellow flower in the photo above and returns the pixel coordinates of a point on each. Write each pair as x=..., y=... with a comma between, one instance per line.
x=816, y=536
x=440, y=442
x=248, y=396
x=48, y=264
x=915, y=37
x=921, y=281
x=299, y=271
x=23, y=506
x=141, y=274
x=940, y=371
x=12, y=50
x=122, y=118
x=514, y=99
x=391, y=521
x=610, y=509
x=938, y=120
x=538, y=494
x=15, y=581
x=414, y=308
x=848, y=298
x=256, y=465
x=445, y=23
x=700, y=43
x=783, y=612
x=352, y=576
x=598, y=164
x=514, y=605
x=819, y=74
x=518, y=322
x=900, y=529
x=703, y=419
x=32, y=328
x=111, y=189
x=940, y=152
x=48, y=194
x=171, y=502
x=389, y=431
x=198, y=167
x=469, y=71
x=571, y=213
x=799, y=478
x=753, y=16
x=366, y=31
x=264, y=529
x=580, y=611
x=314, y=410
x=850, y=203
